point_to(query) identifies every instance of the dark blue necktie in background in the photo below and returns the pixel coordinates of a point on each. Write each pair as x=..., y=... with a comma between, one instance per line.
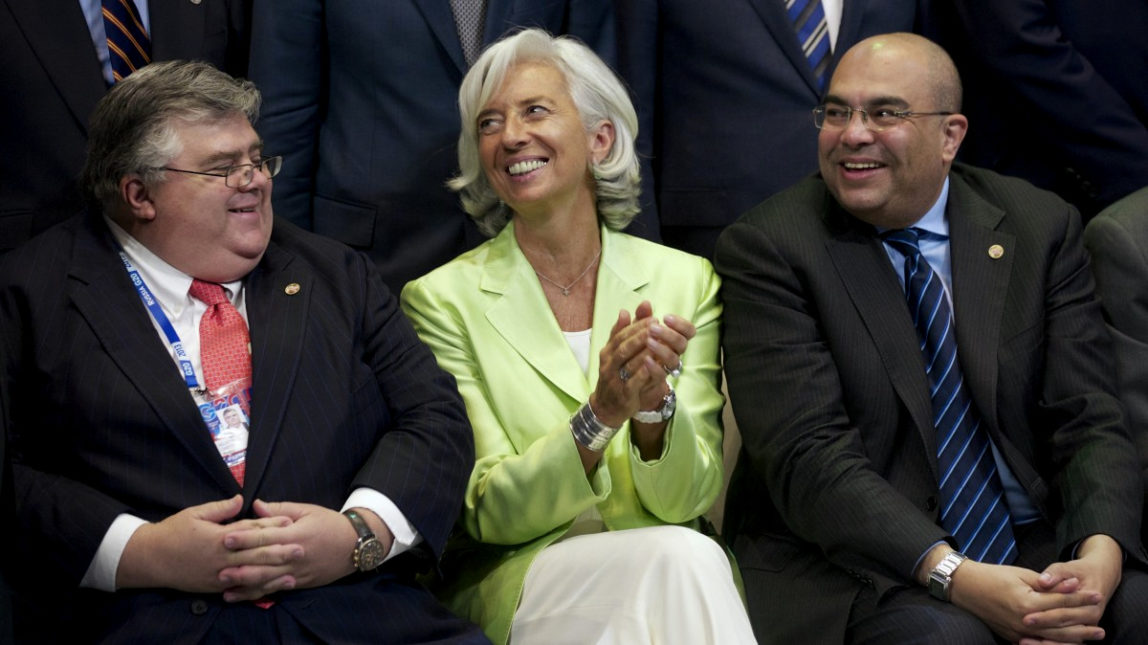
x=128, y=44
x=974, y=508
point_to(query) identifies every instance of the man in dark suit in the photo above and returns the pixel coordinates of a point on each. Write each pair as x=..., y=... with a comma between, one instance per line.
x=1117, y=241
x=364, y=104
x=52, y=78
x=847, y=425
x=1056, y=88
x=110, y=345
x=723, y=92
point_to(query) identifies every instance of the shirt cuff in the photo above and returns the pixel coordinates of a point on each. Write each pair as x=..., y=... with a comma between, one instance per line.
x=405, y=534
x=101, y=573
x=917, y=564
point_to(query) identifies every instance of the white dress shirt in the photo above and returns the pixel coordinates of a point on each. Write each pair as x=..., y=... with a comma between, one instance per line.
x=833, y=9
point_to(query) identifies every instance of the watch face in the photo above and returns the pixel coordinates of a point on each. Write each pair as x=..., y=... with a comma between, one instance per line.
x=937, y=587
x=369, y=554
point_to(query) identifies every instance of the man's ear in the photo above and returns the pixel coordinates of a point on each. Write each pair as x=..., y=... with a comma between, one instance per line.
x=955, y=127
x=137, y=197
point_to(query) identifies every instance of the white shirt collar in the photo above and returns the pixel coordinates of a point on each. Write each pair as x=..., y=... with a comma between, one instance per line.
x=168, y=284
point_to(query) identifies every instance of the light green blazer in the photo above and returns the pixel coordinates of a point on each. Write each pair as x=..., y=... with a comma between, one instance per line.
x=487, y=320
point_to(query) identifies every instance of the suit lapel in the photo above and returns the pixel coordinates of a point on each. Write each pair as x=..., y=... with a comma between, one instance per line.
x=103, y=294
x=439, y=16
x=978, y=308
x=58, y=34
x=277, y=312
x=523, y=318
x=773, y=14
x=177, y=27
x=619, y=280
x=864, y=268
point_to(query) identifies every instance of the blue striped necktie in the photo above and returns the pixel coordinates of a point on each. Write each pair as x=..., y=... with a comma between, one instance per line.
x=974, y=509
x=808, y=18
x=129, y=47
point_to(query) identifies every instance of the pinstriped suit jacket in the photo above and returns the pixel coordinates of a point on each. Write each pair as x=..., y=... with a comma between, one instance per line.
x=101, y=423
x=829, y=390
x=1116, y=240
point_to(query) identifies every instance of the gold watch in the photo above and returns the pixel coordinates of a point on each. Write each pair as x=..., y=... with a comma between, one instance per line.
x=369, y=551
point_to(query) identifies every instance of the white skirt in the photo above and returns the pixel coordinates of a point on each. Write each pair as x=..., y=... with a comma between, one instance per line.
x=662, y=585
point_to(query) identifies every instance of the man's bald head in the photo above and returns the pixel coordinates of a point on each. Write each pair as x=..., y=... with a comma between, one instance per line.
x=943, y=78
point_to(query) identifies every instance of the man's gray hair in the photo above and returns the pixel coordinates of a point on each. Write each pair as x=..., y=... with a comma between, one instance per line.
x=132, y=129
x=596, y=92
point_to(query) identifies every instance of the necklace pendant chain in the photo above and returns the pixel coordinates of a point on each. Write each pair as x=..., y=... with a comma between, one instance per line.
x=566, y=289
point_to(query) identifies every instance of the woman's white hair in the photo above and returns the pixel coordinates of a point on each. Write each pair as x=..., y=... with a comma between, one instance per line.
x=597, y=93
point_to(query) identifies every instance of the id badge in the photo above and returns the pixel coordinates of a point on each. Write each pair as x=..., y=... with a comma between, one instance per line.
x=227, y=413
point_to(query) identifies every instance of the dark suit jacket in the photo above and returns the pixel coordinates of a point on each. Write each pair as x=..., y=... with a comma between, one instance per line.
x=101, y=423
x=829, y=390
x=1117, y=240
x=51, y=80
x=724, y=97
x=1055, y=92
x=6, y=520
x=363, y=103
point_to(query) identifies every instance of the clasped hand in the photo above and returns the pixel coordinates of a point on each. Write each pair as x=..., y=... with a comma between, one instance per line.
x=644, y=350
x=1062, y=604
x=287, y=546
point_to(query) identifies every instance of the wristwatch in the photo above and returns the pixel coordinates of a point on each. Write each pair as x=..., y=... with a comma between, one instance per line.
x=941, y=577
x=368, y=553
x=663, y=413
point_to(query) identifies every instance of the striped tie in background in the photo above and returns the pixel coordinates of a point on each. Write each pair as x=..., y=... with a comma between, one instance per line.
x=128, y=44
x=808, y=18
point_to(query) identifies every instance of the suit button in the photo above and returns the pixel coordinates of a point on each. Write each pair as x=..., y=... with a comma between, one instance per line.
x=931, y=503
x=199, y=607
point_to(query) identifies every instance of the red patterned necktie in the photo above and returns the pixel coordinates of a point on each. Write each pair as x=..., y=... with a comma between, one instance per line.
x=224, y=345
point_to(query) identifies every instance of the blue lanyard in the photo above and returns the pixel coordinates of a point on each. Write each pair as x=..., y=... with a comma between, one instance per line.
x=156, y=311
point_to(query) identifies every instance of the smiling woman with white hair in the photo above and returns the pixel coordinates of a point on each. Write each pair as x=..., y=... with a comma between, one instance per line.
x=589, y=364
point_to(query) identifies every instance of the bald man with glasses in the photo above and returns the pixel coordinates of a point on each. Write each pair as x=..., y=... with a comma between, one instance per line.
x=932, y=449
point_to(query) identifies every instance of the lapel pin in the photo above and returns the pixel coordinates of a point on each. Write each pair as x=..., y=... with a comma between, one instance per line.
x=291, y=289
x=996, y=251
x=196, y=1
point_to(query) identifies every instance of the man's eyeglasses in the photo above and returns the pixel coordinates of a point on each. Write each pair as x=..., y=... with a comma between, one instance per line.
x=239, y=175
x=838, y=117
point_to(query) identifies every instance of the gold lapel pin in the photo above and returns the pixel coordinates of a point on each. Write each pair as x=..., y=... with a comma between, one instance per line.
x=996, y=251
x=291, y=289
